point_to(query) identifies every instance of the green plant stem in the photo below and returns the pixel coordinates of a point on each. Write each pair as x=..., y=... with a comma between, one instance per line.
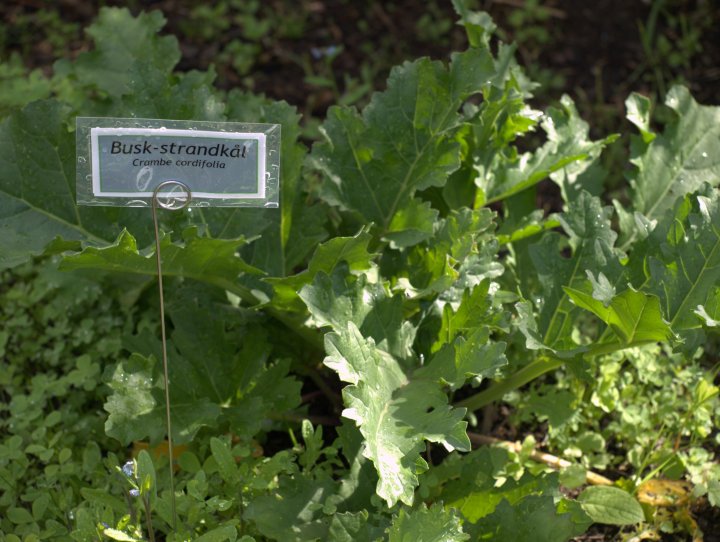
x=148, y=519
x=523, y=376
x=535, y=369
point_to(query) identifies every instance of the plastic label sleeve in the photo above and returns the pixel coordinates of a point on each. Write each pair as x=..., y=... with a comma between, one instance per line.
x=122, y=161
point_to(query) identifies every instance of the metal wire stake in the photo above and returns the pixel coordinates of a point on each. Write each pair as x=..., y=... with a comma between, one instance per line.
x=173, y=202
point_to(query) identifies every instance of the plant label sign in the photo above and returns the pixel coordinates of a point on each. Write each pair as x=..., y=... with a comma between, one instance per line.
x=120, y=162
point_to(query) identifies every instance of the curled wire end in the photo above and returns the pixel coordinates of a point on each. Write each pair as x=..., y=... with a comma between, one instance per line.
x=173, y=195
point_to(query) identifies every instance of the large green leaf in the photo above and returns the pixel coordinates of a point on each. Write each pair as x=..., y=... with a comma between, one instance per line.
x=460, y=255
x=568, y=152
x=37, y=187
x=591, y=242
x=434, y=524
x=130, y=73
x=464, y=349
x=634, y=316
x=129, y=57
x=219, y=370
x=474, y=357
x=340, y=298
x=683, y=262
x=394, y=415
x=536, y=518
x=289, y=234
x=678, y=160
x=411, y=224
x=403, y=141
x=136, y=407
x=214, y=261
x=300, y=517
x=350, y=251
x=611, y=505
x=474, y=310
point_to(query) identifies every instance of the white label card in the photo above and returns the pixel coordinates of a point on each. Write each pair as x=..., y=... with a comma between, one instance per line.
x=222, y=164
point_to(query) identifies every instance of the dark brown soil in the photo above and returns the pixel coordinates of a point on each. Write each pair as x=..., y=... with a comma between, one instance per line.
x=595, y=46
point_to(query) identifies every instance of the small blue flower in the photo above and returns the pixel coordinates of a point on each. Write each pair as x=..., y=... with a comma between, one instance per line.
x=134, y=492
x=129, y=469
x=324, y=52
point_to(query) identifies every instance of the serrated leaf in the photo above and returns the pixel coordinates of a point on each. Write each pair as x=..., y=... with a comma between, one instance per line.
x=634, y=316
x=611, y=505
x=127, y=49
x=411, y=224
x=475, y=310
x=214, y=261
x=37, y=186
x=534, y=519
x=137, y=406
x=394, y=415
x=211, y=361
x=403, y=142
x=568, y=148
x=434, y=524
x=602, y=289
x=128, y=55
x=287, y=235
x=132, y=383
x=216, y=364
x=461, y=254
x=352, y=251
x=300, y=517
x=340, y=298
x=680, y=159
x=591, y=241
x=683, y=262
x=473, y=357
x=129, y=72
x=478, y=24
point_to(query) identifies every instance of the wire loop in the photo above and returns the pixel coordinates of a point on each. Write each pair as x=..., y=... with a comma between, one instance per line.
x=178, y=197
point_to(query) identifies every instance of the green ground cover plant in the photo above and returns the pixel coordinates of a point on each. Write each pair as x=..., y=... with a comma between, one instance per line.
x=334, y=361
